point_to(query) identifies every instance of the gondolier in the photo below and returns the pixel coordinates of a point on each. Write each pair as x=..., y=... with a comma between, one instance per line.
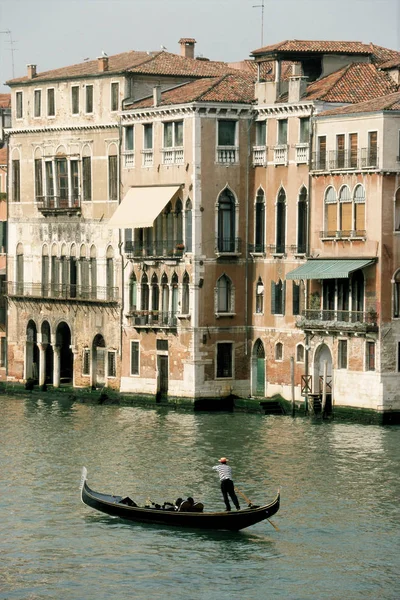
x=227, y=487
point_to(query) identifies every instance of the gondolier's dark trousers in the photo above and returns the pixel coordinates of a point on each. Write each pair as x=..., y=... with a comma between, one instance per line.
x=227, y=488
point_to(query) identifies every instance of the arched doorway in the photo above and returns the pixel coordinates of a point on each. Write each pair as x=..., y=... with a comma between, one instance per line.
x=48, y=352
x=63, y=343
x=31, y=352
x=258, y=369
x=322, y=354
x=98, y=361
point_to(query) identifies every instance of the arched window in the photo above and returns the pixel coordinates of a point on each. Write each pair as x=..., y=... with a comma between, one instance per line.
x=397, y=211
x=165, y=298
x=278, y=292
x=345, y=211
x=155, y=294
x=55, y=271
x=259, y=220
x=73, y=271
x=300, y=353
x=174, y=296
x=144, y=293
x=45, y=271
x=224, y=291
x=281, y=222
x=226, y=222
x=259, y=296
x=169, y=226
x=179, y=222
x=359, y=210
x=93, y=271
x=188, y=226
x=132, y=292
x=302, y=221
x=279, y=351
x=330, y=202
x=396, y=295
x=185, y=294
x=84, y=274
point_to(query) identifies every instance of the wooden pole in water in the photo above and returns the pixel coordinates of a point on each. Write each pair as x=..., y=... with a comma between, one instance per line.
x=292, y=382
x=324, y=376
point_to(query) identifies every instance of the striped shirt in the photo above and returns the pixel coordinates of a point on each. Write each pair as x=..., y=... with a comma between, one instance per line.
x=224, y=471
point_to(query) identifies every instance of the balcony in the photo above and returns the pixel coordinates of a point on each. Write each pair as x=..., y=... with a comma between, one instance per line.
x=62, y=292
x=302, y=153
x=172, y=156
x=259, y=156
x=129, y=159
x=353, y=234
x=147, y=157
x=159, y=250
x=154, y=319
x=346, y=160
x=338, y=320
x=278, y=249
x=228, y=246
x=54, y=205
x=227, y=155
x=281, y=154
x=258, y=248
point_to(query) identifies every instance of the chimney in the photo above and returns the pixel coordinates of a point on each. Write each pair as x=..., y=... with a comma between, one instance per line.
x=187, y=47
x=102, y=63
x=297, y=84
x=31, y=71
x=156, y=95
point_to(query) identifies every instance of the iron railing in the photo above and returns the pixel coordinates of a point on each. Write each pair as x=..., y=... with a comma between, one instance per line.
x=344, y=234
x=337, y=160
x=228, y=245
x=60, y=291
x=156, y=249
x=153, y=318
x=58, y=203
x=343, y=316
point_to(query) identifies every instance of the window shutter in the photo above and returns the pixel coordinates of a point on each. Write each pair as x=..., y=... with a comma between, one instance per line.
x=353, y=149
x=346, y=212
x=360, y=216
x=331, y=213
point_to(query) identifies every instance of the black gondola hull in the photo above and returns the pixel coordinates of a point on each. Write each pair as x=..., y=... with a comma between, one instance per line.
x=231, y=521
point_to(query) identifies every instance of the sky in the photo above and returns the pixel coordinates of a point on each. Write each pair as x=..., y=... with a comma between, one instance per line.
x=56, y=33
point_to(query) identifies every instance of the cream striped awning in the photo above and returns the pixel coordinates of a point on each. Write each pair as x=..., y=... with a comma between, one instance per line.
x=329, y=269
x=141, y=206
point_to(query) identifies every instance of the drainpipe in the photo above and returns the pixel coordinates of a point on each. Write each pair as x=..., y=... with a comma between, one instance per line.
x=246, y=292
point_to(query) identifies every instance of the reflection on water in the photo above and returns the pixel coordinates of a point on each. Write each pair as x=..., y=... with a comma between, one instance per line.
x=338, y=521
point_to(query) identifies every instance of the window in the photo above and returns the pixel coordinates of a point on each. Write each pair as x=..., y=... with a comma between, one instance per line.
x=330, y=212
x=226, y=142
x=261, y=133
x=89, y=99
x=51, y=106
x=129, y=138
x=304, y=137
x=114, y=96
x=281, y=222
x=278, y=297
x=185, y=294
x=188, y=226
x=300, y=353
x=3, y=238
x=372, y=149
x=38, y=178
x=87, y=178
x=134, y=358
x=302, y=221
x=16, y=183
x=259, y=241
x=345, y=210
x=224, y=292
x=19, y=112
x=62, y=178
x=321, y=152
x=75, y=99
x=295, y=298
x=396, y=295
x=49, y=178
x=279, y=351
x=112, y=363
x=148, y=136
x=113, y=177
x=173, y=134
x=162, y=345
x=224, y=359
x=259, y=296
x=282, y=132
x=359, y=210
x=342, y=354
x=3, y=351
x=38, y=103
x=353, y=143
x=74, y=174
x=397, y=211
x=226, y=222
x=370, y=356
x=340, y=151
x=132, y=292
x=86, y=362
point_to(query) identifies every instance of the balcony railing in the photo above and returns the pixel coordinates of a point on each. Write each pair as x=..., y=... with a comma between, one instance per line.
x=60, y=291
x=258, y=248
x=153, y=318
x=346, y=160
x=172, y=156
x=302, y=153
x=54, y=204
x=278, y=248
x=227, y=154
x=228, y=246
x=300, y=248
x=328, y=319
x=359, y=234
x=259, y=156
x=147, y=157
x=280, y=154
x=129, y=159
x=161, y=249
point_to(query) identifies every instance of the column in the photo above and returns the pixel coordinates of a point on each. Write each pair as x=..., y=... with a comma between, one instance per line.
x=56, y=366
x=42, y=363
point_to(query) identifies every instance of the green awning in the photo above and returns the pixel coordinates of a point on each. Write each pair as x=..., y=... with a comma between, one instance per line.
x=328, y=269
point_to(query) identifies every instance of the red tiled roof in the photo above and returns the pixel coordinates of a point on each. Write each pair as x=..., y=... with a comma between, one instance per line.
x=5, y=100
x=390, y=64
x=3, y=156
x=356, y=82
x=158, y=63
x=381, y=55
x=321, y=46
x=187, y=41
x=388, y=102
x=232, y=88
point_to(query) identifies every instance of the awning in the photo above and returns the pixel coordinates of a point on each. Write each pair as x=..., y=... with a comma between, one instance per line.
x=3, y=271
x=141, y=206
x=328, y=269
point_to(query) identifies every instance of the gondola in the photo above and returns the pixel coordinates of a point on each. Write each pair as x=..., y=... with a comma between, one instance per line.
x=231, y=521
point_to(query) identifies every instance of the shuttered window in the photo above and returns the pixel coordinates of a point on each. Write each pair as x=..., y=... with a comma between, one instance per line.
x=346, y=210
x=353, y=150
x=359, y=217
x=340, y=140
x=38, y=178
x=331, y=217
x=134, y=358
x=87, y=178
x=372, y=149
x=322, y=152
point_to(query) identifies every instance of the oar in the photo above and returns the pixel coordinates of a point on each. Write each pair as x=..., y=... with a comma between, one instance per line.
x=249, y=502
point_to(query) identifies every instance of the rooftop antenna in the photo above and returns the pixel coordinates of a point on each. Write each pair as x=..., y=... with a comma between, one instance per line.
x=262, y=20
x=8, y=32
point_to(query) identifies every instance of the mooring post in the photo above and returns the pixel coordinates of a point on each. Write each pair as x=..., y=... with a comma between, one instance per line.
x=325, y=372
x=292, y=383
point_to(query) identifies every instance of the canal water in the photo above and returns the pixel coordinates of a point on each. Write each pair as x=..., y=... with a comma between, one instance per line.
x=338, y=525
